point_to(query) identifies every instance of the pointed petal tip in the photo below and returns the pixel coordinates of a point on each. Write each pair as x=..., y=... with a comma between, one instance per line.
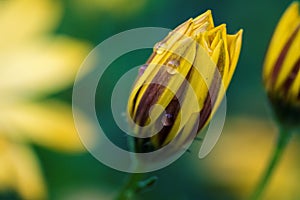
x=203, y=16
x=208, y=12
x=294, y=6
x=222, y=26
x=240, y=33
x=238, y=36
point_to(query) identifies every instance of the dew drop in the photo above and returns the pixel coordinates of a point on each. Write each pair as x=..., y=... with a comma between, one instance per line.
x=172, y=66
x=159, y=47
x=173, y=63
x=167, y=120
x=142, y=69
x=171, y=70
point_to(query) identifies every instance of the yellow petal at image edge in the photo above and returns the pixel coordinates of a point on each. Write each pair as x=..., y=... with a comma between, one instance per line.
x=20, y=170
x=42, y=66
x=22, y=20
x=49, y=124
x=284, y=29
x=292, y=57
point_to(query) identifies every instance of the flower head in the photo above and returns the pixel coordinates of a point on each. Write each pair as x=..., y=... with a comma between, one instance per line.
x=184, y=75
x=281, y=68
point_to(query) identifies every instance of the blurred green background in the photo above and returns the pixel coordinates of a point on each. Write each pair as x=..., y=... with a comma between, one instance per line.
x=232, y=169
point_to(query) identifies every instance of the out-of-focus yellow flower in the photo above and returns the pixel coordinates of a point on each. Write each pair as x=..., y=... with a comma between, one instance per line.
x=202, y=54
x=240, y=156
x=282, y=65
x=32, y=64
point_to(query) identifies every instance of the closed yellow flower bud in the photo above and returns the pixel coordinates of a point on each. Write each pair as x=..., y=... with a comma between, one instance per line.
x=281, y=68
x=196, y=55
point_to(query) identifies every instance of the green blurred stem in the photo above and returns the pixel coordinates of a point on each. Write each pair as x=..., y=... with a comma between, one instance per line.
x=129, y=190
x=282, y=141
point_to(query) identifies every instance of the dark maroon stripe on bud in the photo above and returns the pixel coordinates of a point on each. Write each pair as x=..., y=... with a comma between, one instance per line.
x=134, y=102
x=165, y=131
x=172, y=110
x=282, y=55
x=210, y=100
x=182, y=138
x=292, y=76
x=166, y=119
x=149, y=98
x=212, y=95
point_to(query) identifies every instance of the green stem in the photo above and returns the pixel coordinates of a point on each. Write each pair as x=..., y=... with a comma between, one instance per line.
x=283, y=139
x=129, y=189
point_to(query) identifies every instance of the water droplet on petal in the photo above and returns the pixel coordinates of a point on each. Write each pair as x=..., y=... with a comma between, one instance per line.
x=173, y=63
x=172, y=66
x=142, y=69
x=171, y=70
x=167, y=120
x=159, y=47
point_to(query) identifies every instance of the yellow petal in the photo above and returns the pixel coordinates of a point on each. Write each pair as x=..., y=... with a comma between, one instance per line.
x=156, y=61
x=234, y=49
x=234, y=46
x=223, y=57
x=22, y=169
x=203, y=41
x=49, y=124
x=217, y=52
x=215, y=40
x=6, y=170
x=283, y=31
x=25, y=19
x=182, y=70
x=41, y=66
x=186, y=48
x=202, y=74
x=292, y=57
x=205, y=17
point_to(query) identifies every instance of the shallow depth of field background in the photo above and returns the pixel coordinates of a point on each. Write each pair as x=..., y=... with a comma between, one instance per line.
x=233, y=167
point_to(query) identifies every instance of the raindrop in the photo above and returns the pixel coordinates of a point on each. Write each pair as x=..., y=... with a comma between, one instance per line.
x=167, y=120
x=172, y=66
x=171, y=70
x=142, y=69
x=159, y=47
x=173, y=63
